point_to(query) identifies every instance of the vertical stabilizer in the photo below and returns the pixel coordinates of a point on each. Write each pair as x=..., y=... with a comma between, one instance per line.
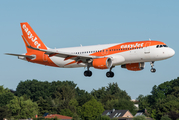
x=30, y=37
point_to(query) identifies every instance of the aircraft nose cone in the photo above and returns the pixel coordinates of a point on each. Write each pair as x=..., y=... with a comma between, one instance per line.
x=171, y=53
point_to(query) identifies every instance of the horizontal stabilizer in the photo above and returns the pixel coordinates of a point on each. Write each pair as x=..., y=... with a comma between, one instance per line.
x=20, y=55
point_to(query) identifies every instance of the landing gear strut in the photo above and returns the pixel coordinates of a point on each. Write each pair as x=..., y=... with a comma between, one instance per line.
x=88, y=73
x=153, y=70
x=110, y=73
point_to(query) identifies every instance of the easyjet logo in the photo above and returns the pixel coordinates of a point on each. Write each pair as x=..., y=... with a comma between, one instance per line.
x=132, y=45
x=31, y=37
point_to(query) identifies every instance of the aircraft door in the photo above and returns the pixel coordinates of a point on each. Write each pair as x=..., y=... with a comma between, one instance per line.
x=147, y=48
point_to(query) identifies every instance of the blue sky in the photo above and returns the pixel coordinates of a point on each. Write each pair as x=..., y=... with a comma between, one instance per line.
x=62, y=23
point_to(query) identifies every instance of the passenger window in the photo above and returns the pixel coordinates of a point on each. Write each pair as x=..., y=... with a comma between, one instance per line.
x=161, y=45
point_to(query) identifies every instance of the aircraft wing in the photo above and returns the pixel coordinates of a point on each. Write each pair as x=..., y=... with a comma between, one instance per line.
x=20, y=55
x=66, y=56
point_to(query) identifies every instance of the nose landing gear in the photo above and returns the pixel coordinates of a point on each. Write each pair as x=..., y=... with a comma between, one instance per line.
x=153, y=70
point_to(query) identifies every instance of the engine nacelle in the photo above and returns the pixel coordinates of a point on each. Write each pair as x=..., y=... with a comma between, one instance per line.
x=102, y=63
x=134, y=66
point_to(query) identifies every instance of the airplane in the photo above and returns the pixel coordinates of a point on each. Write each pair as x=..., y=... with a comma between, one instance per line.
x=130, y=55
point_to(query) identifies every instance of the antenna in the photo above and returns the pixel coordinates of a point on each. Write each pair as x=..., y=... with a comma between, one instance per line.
x=81, y=45
x=149, y=39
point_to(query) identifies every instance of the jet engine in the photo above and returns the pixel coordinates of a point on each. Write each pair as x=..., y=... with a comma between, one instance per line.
x=134, y=66
x=102, y=63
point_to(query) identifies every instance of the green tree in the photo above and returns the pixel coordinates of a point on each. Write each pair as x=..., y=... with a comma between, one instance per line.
x=66, y=112
x=145, y=102
x=5, y=112
x=82, y=96
x=140, y=118
x=165, y=117
x=22, y=108
x=34, y=88
x=112, y=91
x=43, y=106
x=2, y=90
x=75, y=117
x=173, y=115
x=73, y=106
x=103, y=117
x=110, y=104
x=164, y=99
x=5, y=96
x=62, y=98
x=91, y=109
x=154, y=114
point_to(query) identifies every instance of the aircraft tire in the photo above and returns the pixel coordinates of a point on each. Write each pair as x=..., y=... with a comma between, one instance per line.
x=88, y=73
x=153, y=70
x=110, y=74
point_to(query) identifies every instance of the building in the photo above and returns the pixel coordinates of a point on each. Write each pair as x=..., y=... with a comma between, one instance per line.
x=117, y=113
x=61, y=117
x=142, y=112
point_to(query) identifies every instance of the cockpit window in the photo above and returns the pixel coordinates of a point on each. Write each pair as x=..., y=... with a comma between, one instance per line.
x=159, y=46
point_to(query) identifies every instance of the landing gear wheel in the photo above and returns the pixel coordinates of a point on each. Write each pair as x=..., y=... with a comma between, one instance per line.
x=87, y=73
x=110, y=74
x=153, y=70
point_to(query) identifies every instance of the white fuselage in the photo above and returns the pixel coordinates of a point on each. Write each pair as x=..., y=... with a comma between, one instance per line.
x=145, y=54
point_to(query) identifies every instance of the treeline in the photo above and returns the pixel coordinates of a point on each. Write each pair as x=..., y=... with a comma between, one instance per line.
x=65, y=98
x=163, y=103
x=33, y=97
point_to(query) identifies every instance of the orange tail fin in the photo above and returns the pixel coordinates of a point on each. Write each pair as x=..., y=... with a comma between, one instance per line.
x=30, y=37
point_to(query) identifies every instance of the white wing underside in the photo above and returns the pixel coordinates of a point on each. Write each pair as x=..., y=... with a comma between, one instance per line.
x=53, y=52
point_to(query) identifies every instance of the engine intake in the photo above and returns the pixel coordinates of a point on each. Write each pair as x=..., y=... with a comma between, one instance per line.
x=102, y=63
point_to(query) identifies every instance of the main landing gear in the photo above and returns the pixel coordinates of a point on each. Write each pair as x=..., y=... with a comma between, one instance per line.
x=153, y=70
x=87, y=73
x=110, y=73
